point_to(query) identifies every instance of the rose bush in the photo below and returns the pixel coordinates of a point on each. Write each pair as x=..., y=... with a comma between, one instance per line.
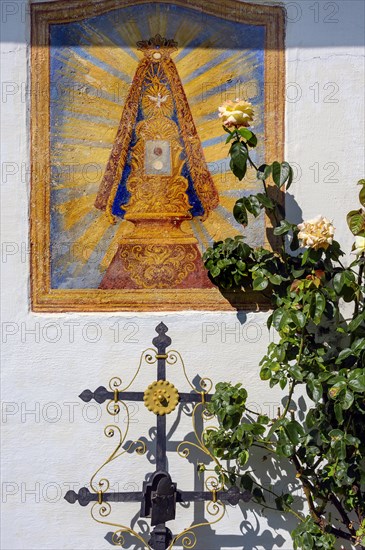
x=320, y=350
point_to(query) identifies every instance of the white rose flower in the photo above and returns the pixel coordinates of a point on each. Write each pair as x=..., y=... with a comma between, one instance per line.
x=238, y=113
x=316, y=233
x=359, y=246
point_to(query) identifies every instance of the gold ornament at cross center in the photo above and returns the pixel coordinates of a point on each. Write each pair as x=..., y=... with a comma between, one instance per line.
x=161, y=397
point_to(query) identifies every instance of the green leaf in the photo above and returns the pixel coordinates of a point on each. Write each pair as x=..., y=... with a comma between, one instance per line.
x=248, y=136
x=230, y=137
x=239, y=155
x=265, y=201
x=214, y=271
x=358, y=345
x=281, y=173
x=279, y=318
x=318, y=304
x=345, y=285
x=343, y=355
x=336, y=389
x=282, y=383
x=240, y=212
x=297, y=273
x=355, y=323
x=296, y=372
x=337, y=283
x=362, y=192
x=295, y=431
x=263, y=172
x=252, y=205
x=238, y=170
x=275, y=279
x=252, y=142
x=347, y=399
x=338, y=413
x=265, y=373
x=314, y=389
x=241, y=266
x=283, y=228
x=299, y=318
x=243, y=457
x=356, y=221
x=357, y=380
x=260, y=283
x=245, y=133
x=290, y=179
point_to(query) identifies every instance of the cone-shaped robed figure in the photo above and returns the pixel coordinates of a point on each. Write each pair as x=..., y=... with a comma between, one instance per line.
x=156, y=178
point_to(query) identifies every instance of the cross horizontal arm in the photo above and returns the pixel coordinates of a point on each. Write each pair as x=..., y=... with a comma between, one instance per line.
x=101, y=394
x=84, y=497
x=232, y=496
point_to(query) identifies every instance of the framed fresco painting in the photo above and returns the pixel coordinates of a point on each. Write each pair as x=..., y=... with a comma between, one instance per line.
x=130, y=176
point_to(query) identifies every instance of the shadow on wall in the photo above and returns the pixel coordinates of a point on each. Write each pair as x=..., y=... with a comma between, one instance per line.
x=253, y=535
x=326, y=24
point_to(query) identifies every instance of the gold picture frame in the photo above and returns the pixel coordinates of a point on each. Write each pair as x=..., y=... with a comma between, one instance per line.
x=44, y=298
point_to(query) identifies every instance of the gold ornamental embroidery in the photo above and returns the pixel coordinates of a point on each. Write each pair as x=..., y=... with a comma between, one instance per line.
x=158, y=266
x=158, y=90
x=151, y=194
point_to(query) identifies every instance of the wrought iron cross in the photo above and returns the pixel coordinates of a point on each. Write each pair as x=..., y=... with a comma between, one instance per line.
x=159, y=494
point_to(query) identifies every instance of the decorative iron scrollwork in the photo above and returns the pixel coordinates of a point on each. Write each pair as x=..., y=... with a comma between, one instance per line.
x=159, y=494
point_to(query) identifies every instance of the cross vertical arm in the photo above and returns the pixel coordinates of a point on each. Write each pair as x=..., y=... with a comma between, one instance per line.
x=161, y=342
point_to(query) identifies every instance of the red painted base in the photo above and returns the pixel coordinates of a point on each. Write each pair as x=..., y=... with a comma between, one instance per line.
x=156, y=266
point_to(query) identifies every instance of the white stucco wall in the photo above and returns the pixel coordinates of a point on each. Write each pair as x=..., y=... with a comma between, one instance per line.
x=51, y=441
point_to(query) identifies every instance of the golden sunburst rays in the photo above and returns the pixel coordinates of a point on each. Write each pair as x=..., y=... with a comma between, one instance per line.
x=225, y=181
x=186, y=33
x=108, y=52
x=88, y=242
x=80, y=74
x=219, y=227
x=237, y=67
x=74, y=210
x=158, y=21
x=123, y=229
x=75, y=128
x=129, y=32
x=81, y=249
x=231, y=86
x=218, y=151
x=80, y=102
x=78, y=176
x=83, y=156
x=191, y=61
x=199, y=233
x=209, y=129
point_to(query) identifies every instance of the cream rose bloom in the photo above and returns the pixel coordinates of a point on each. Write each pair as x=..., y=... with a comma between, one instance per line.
x=236, y=114
x=359, y=246
x=316, y=233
